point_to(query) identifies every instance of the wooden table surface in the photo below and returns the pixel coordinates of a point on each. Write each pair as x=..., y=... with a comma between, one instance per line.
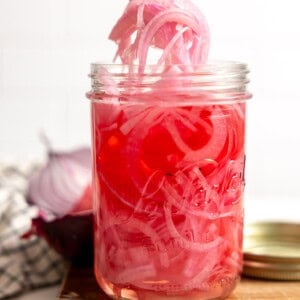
x=80, y=284
x=263, y=289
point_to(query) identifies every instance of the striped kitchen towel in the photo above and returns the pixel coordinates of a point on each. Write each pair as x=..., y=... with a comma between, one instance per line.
x=24, y=263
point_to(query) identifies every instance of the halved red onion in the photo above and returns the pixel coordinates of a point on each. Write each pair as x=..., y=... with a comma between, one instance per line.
x=62, y=186
x=62, y=192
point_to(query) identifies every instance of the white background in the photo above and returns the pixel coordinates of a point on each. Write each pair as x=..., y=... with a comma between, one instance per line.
x=46, y=47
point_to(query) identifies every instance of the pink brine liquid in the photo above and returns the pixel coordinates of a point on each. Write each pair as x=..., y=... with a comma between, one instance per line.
x=168, y=182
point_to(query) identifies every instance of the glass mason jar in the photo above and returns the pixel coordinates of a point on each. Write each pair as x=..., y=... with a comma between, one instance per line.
x=168, y=179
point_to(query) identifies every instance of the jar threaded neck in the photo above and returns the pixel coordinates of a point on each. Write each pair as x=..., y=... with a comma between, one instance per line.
x=219, y=81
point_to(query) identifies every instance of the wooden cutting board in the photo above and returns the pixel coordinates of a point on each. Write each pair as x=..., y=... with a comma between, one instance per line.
x=80, y=284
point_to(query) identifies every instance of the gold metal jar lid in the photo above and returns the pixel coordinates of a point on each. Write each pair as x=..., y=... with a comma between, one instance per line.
x=272, y=250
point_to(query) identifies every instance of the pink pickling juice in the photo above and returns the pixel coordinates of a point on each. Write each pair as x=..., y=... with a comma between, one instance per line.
x=168, y=151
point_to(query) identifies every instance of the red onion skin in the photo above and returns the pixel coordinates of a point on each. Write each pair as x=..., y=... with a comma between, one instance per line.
x=71, y=236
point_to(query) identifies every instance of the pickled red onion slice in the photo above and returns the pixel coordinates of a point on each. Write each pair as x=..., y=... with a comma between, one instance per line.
x=170, y=175
x=178, y=28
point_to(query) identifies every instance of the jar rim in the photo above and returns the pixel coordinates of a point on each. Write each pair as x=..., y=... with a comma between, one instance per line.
x=213, y=65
